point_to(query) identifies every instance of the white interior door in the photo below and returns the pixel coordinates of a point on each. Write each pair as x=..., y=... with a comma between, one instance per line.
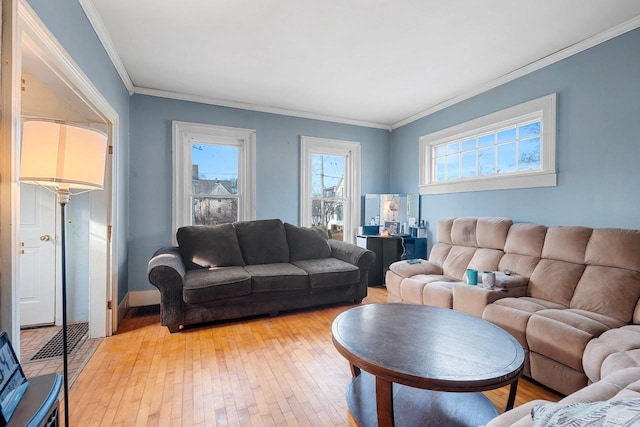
x=37, y=279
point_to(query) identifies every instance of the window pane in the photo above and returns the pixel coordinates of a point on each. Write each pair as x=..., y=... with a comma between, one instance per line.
x=327, y=175
x=507, y=158
x=507, y=135
x=453, y=147
x=214, y=169
x=211, y=210
x=529, y=154
x=486, y=161
x=486, y=140
x=469, y=144
x=440, y=151
x=329, y=214
x=453, y=166
x=440, y=169
x=469, y=164
x=531, y=129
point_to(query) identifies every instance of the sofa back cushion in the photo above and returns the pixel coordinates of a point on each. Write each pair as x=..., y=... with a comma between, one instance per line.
x=523, y=248
x=611, y=282
x=457, y=261
x=306, y=243
x=492, y=233
x=558, y=272
x=262, y=241
x=204, y=246
x=463, y=231
x=444, y=230
x=611, y=291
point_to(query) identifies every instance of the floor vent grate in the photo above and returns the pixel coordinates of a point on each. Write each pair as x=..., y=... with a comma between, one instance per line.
x=76, y=333
x=146, y=310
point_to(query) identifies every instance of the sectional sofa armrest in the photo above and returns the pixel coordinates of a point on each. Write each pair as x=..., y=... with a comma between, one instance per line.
x=347, y=252
x=474, y=299
x=404, y=269
x=512, y=281
x=166, y=270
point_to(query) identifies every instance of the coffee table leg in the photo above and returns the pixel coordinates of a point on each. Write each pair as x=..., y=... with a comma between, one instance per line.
x=384, y=402
x=512, y=395
x=355, y=371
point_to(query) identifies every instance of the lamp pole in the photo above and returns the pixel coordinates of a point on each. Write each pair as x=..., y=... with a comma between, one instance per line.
x=63, y=199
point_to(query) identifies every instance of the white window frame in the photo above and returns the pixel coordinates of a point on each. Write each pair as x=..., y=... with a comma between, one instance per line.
x=543, y=108
x=184, y=134
x=350, y=149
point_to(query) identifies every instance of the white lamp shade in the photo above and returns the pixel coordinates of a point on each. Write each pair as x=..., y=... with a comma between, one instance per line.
x=62, y=155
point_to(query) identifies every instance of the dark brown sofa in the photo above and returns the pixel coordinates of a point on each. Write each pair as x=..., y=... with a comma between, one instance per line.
x=249, y=268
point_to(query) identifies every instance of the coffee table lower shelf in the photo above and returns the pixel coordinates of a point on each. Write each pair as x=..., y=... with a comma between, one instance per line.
x=418, y=407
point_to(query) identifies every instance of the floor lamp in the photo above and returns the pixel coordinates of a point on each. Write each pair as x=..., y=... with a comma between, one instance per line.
x=69, y=159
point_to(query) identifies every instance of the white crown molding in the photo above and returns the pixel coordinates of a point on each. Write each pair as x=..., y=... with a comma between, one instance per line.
x=102, y=33
x=585, y=44
x=255, y=107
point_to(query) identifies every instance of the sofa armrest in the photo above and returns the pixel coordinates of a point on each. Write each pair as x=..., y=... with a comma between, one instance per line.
x=404, y=269
x=347, y=252
x=512, y=281
x=474, y=299
x=166, y=270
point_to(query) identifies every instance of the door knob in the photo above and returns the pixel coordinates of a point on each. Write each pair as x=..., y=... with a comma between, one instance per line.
x=45, y=238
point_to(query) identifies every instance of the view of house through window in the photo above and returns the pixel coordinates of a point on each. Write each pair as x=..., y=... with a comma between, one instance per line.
x=214, y=198
x=328, y=193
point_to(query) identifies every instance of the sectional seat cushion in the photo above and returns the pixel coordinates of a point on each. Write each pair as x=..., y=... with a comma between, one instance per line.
x=262, y=241
x=329, y=272
x=306, y=243
x=277, y=277
x=562, y=335
x=206, y=285
x=209, y=246
x=513, y=314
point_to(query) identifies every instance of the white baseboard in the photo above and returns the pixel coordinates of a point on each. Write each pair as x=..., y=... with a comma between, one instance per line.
x=140, y=298
x=122, y=309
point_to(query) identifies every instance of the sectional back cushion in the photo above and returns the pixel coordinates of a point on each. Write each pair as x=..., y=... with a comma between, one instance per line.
x=492, y=233
x=562, y=264
x=610, y=284
x=306, y=243
x=262, y=241
x=203, y=246
x=523, y=248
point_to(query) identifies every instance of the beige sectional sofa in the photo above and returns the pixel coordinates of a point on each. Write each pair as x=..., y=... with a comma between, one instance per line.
x=571, y=298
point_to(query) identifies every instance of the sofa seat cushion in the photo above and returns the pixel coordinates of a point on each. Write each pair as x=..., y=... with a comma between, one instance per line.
x=611, y=342
x=207, y=285
x=203, y=246
x=411, y=288
x=562, y=335
x=263, y=241
x=513, y=314
x=439, y=293
x=329, y=272
x=277, y=277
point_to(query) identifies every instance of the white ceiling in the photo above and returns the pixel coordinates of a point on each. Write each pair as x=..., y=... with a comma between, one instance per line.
x=376, y=62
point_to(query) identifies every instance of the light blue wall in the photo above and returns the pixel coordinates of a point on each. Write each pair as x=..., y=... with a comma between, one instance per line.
x=277, y=166
x=598, y=143
x=69, y=25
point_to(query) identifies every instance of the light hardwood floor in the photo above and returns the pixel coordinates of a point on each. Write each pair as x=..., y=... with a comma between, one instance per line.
x=266, y=371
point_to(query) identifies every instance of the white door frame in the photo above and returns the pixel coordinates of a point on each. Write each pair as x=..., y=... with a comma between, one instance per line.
x=103, y=266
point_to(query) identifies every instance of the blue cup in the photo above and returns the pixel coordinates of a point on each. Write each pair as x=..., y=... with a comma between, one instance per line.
x=472, y=276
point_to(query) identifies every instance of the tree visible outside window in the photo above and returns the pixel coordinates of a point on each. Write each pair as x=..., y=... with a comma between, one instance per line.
x=330, y=186
x=327, y=193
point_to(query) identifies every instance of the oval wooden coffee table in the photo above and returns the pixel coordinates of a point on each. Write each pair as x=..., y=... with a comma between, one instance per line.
x=425, y=351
